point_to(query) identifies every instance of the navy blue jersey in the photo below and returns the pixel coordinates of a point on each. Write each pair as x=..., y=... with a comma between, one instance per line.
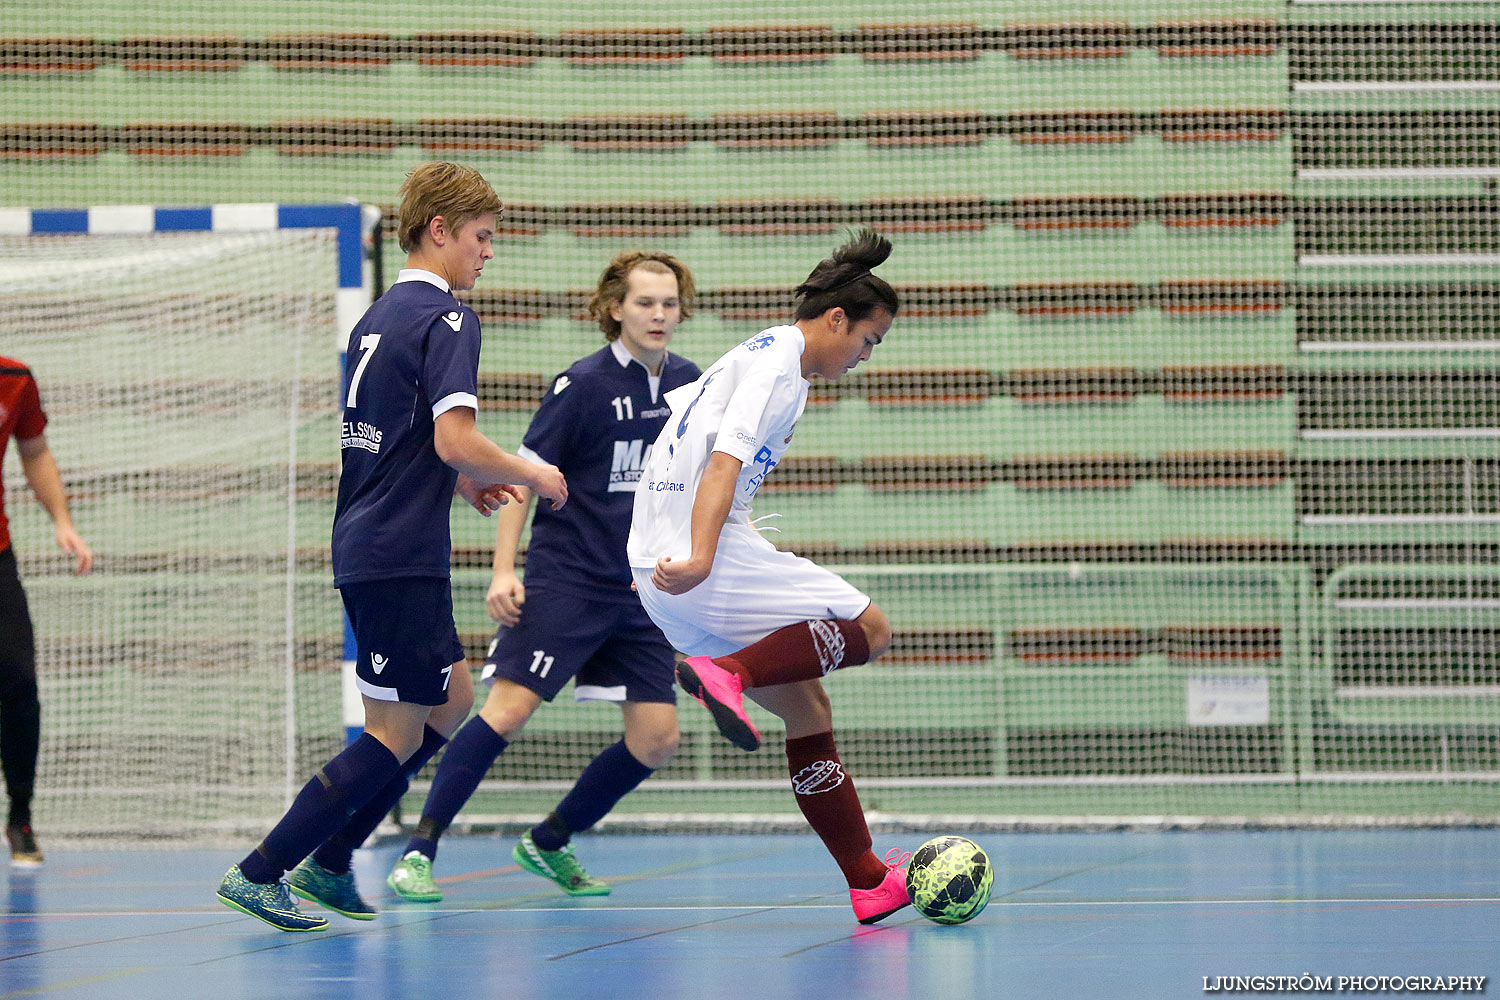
x=413, y=356
x=596, y=423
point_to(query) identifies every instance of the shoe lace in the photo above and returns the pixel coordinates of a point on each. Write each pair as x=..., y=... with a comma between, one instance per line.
x=896, y=857
x=567, y=866
x=283, y=896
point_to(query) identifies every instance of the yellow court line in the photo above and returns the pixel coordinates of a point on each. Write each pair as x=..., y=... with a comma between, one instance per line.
x=51, y=987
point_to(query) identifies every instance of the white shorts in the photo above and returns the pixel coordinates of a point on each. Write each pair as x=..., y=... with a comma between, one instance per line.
x=754, y=590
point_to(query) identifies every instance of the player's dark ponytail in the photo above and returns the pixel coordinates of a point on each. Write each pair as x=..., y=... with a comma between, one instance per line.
x=844, y=280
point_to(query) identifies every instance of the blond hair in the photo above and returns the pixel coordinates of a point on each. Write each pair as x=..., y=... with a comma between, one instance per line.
x=614, y=283
x=459, y=194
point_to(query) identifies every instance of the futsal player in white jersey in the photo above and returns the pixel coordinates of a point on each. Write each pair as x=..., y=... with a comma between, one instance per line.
x=754, y=620
x=409, y=441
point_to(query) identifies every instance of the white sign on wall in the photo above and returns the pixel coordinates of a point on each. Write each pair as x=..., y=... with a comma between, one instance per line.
x=1229, y=700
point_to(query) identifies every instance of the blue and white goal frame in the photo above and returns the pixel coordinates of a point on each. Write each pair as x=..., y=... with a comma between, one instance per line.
x=351, y=222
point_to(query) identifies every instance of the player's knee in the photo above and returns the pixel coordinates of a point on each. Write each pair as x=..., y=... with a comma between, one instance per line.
x=505, y=717
x=811, y=713
x=655, y=748
x=877, y=629
x=400, y=743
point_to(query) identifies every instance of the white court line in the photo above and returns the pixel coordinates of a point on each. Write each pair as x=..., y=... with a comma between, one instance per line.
x=994, y=901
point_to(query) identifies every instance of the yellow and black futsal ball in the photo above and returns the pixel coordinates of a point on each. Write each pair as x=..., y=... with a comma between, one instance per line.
x=949, y=879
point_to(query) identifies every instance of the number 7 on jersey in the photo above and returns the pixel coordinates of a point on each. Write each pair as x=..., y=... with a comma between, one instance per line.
x=367, y=343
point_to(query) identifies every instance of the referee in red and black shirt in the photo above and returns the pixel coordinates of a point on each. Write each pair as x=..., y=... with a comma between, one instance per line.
x=21, y=416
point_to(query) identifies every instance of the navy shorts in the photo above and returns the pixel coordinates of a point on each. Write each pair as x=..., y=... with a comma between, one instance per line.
x=613, y=648
x=407, y=643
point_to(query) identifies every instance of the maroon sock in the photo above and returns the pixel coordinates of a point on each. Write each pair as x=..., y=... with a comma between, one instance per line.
x=826, y=796
x=801, y=652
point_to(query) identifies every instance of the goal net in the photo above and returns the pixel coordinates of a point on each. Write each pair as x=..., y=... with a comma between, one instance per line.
x=190, y=379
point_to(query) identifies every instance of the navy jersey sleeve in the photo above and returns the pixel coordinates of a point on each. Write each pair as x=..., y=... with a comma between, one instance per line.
x=553, y=433
x=450, y=364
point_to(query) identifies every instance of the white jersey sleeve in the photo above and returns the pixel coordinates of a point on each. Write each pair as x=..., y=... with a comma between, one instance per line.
x=745, y=405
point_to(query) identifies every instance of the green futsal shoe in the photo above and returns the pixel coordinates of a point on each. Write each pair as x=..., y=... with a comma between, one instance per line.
x=338, y=893
x=559, y=867
x=411, y=879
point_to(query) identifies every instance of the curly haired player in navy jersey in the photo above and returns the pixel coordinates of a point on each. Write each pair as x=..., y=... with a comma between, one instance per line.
x=409, y=442
x=575, y=616
x=773, y=623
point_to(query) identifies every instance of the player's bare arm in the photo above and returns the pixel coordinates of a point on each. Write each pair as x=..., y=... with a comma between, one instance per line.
x=461, y=446
x=506, y=593
x=710, y=508
x=46, y=483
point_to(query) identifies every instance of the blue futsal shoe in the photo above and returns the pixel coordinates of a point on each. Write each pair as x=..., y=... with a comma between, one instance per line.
x=271, y=903
x=338, y=893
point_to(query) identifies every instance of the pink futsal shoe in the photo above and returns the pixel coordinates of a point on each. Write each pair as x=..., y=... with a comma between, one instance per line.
x=719, y=691
x=874, y=905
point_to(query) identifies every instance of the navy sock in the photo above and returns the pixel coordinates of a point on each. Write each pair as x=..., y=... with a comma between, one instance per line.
x=608, y=779
x=470, y=754
x=337, y=852
x=324, y=804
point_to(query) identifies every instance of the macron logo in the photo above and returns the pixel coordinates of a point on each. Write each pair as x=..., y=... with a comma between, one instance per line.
x=454, y=320
x=377, y=663
x=562, y=383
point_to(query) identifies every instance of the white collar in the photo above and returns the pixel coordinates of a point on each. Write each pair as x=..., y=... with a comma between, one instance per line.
x=422, y=274
x=622, y=354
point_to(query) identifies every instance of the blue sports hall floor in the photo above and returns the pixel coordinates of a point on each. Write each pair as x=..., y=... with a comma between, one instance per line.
x=1119, y=914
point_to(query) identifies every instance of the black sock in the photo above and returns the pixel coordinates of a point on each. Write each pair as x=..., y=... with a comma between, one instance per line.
x=323, y=806
x=337, y=852
x=470, y=754
x=608, y=779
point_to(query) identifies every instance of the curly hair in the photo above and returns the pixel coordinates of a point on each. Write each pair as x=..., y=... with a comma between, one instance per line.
x=614, y=283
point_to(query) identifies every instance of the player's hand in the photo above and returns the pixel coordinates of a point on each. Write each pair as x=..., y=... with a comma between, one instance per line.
x=548, y=481
x=72, y=543
x=681, y=575
x=487, y=498
x=506, y=595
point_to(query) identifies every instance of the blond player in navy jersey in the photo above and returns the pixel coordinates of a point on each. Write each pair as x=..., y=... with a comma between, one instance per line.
x=757, y=621
x=575, y=616
x=408, y=443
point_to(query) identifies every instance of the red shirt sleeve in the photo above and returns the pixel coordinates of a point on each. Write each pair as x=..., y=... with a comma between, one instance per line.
x=31, y=420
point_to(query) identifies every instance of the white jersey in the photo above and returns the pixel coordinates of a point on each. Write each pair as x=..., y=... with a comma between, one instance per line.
x=746, y=405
